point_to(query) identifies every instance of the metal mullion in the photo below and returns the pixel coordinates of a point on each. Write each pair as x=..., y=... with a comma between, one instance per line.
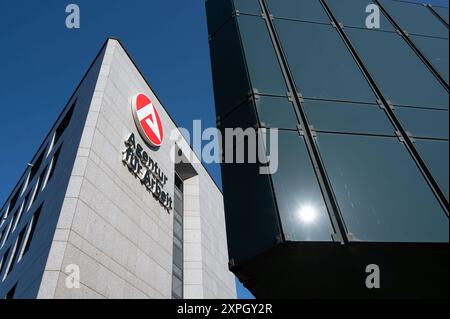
x=320, y=172
x=407, y=141
x=437, y=15
x=416, y=50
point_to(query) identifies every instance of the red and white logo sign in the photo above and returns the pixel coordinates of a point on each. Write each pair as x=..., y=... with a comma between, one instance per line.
x=147, y=120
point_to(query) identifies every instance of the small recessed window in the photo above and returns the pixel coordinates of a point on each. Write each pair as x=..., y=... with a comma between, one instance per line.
x=36, y=165
x=52, y=167
x=31, y=230
x=3, y=261
x=6, y=235
x=64, y=124
x=3, y=217
x=13, y=201
x=11, y=292
x=15, y=253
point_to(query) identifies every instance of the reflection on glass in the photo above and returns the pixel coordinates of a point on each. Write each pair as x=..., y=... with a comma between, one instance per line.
x=303, y=213
x=307, y=214
x=381, y=193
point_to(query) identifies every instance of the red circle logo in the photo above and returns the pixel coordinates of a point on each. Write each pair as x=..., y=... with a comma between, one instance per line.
x=147, y=120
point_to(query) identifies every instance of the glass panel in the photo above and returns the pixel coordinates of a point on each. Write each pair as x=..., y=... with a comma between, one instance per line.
x=353, y=13
x=312, y=51
x=348, y=117
x=276, y=112
x=219, y=11
x=242, y=117
x=251, y=218
x=178, y=230
x=401, y=75
x=435, y=154
x=177, y=271
x=435, y=50
x=231, y=84
x=303, y=213
x=178, y=205
x=381, y=193
x=415, y=18
x=307, y=10
x=177, y=287
x=178, y=256
x=248, y=6
x=263, y=66
x=424, y=123
x=443, y=12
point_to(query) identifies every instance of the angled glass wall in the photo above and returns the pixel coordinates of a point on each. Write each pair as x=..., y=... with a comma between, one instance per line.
x=344, y=99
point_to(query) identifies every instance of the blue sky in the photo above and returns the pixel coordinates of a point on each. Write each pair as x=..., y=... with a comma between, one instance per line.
x=42, y=62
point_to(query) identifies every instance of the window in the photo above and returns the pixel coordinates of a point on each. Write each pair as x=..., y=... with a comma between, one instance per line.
x=436, y=156
x=11, y=292
x=64, y=123
x=13, y=201
x=52, y=167
x=276, y=112
x=228, y=64
x=15, y=254
x=352, y=13
x=3, y=217
x=177, y=263
x=6, y=234
x=305, y=10
x=37, y=164
x=442, y=12
x=423, y=122
x=435, y=50
x=31, y=230
x=312, y=51
x=348, y=117
x=265, y=72
x=35, y=192
x=398, y=71
x=382, y=195
x=415, y=18
x=3, y=261
x=301, y=206
x=17, y=216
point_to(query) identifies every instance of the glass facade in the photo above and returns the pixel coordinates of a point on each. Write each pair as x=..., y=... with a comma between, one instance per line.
x=362, y=116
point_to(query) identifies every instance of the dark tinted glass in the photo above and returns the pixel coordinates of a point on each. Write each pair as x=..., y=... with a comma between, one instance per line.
x=415, y=18
x=401, y=75
x=36, y=165
x=303, y=213
x=352, y=13
x=64, y=123
x=312, y=51
x=264, y=69
x=347, y=117
x=248, y=6
x=435, y=50
x=381, y=193
x=219, y=11
x=276, y=112
x=442, y=12
x=424, y=123
x=252, y=222
x=307, y=10
x=228, y=65
x=436, y=157
x=242, y=117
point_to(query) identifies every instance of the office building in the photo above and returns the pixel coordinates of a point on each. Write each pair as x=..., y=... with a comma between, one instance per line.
x=358, y=91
